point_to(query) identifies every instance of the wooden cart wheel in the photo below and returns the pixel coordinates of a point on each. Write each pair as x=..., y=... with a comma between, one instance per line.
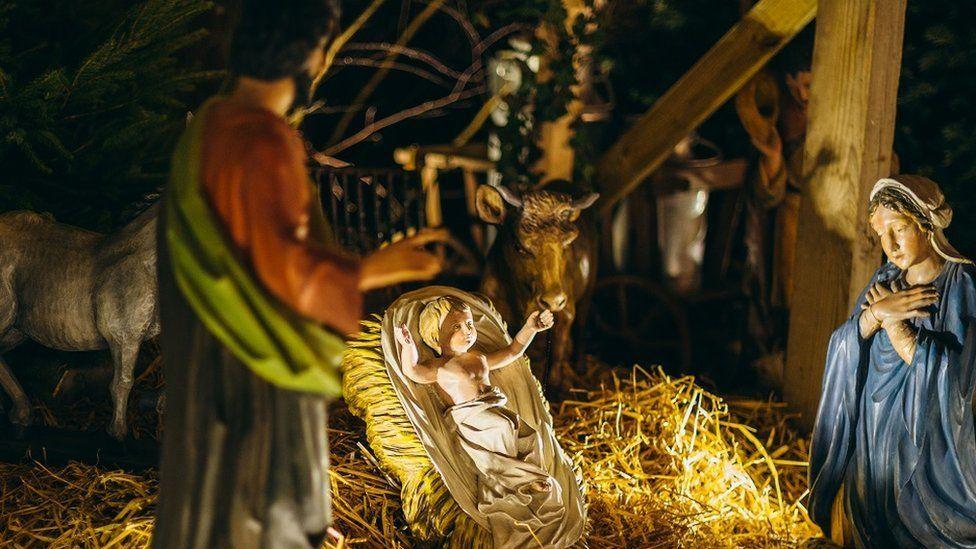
x=642, y=314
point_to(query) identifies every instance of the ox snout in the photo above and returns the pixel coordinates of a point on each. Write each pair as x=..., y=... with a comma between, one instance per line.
x=554, y=302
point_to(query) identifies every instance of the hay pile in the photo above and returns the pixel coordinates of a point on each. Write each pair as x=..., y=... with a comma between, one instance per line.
x=85, y=506
x=75, y=506
x=668, y=464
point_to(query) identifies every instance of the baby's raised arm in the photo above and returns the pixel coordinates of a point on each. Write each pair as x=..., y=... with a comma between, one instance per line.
x=409, y=357
x=537, y=322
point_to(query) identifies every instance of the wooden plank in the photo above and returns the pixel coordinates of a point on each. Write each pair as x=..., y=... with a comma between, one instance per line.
x=432, y=190
x=856, y=64
x=731, y=62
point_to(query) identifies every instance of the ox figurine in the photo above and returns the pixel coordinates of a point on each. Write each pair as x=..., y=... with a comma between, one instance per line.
x=76, y=290
x=543, y=257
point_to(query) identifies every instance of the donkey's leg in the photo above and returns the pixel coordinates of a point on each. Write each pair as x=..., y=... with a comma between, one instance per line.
x=21, y=412
x=124, y=356
x=10, y=337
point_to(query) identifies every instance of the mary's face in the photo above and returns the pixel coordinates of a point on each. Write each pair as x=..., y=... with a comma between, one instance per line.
x=903, y=240
x=457, y=332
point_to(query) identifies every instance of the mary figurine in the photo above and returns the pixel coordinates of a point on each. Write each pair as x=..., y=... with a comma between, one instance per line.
x=893, y=457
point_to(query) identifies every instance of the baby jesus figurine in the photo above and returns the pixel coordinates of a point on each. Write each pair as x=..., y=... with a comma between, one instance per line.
x=521, y=501
x=460, y=374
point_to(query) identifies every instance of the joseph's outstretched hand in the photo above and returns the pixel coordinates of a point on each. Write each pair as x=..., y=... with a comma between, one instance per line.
x=403, y=261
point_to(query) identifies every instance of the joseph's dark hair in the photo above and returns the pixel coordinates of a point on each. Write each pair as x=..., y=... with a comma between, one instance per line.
x=895, y=200
x=273, y=40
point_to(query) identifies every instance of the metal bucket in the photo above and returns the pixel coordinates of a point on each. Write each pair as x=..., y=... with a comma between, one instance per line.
x=681, y=227
x=682, y=220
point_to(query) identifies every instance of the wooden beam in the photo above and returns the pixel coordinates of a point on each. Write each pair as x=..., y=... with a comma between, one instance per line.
x=856, y=64
x=731, y=62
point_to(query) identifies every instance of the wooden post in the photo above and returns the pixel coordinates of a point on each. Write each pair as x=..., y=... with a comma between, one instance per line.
x=856, y=63
x=556, y=161
x=731, y=62
x=432, y=189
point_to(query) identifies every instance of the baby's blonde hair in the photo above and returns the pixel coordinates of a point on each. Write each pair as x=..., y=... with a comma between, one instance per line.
x=433, y=315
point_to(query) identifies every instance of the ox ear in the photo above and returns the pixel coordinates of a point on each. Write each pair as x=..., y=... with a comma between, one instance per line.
x=490, y=204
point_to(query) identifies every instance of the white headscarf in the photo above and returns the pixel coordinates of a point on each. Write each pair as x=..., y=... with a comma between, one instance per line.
x=928, y=198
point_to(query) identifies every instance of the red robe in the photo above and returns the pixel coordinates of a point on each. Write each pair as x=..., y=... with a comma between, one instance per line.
x=253, y=168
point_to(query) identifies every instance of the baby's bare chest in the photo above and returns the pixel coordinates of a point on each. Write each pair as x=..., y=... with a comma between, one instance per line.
x=468, y=365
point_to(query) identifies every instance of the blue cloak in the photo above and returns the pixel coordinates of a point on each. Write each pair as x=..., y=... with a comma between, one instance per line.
x=900, y=436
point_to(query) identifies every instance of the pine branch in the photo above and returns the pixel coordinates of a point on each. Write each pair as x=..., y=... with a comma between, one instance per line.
x=98, y=121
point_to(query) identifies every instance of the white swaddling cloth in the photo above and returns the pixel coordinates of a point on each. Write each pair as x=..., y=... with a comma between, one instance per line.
x=491, y=451
x=522, y=502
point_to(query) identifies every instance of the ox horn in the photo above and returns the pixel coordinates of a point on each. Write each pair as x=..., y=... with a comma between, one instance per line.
x=585, y=202
x=509, y=196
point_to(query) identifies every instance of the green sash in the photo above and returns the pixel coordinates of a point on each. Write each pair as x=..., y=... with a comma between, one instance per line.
x=276, y=343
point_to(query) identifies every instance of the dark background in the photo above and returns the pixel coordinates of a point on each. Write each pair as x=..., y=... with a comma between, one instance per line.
x=87, y=120
x=93, y=95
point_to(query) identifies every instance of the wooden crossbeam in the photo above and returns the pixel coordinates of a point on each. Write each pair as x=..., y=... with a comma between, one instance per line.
x=731, y=62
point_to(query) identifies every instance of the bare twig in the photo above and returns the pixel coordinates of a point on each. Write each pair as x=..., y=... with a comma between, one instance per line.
x=334, y=109
x=298, y=116
x=413, y=53
x=471, y=72
x=370, y=86
x=341, y=40
x=461, y=20
x=370, y=62
x=489, y=40
x=404, y=14
x=479, y=119
x=399, y=117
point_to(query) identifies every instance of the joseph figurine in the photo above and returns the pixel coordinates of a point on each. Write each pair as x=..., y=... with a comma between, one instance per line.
x=255, y=302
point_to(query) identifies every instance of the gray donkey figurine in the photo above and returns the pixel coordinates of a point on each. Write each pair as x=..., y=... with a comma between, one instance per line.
x=75, y=290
